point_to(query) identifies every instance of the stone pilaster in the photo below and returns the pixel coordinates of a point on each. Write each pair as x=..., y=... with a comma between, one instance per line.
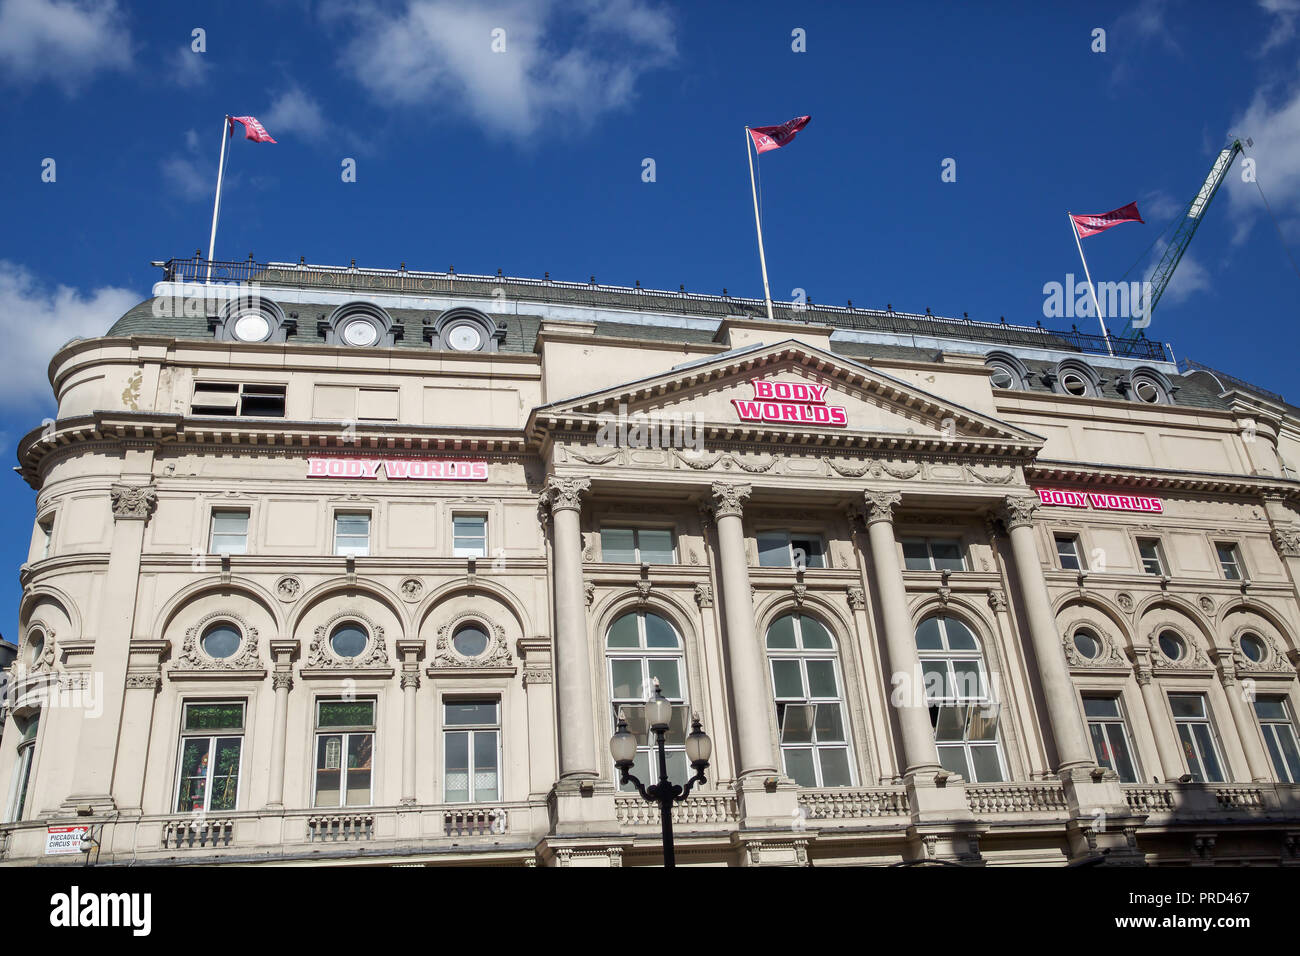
x=283, y=651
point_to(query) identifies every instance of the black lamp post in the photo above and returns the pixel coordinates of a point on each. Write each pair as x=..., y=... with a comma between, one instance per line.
x=665, y=793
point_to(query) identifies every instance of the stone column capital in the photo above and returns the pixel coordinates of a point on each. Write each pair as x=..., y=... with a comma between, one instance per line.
x=1286, y=538
x=879, y=505
x=134, y=502
x=282, y=680
x=1018, y=512
x=564, y=493
x=729, y=497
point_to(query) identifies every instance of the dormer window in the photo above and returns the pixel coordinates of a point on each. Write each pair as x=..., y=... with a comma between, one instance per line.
x=1077, y=379
x=465, y=330
x=1148, y=385
x=251, y=320
x=360, y=325
x=1006, y=371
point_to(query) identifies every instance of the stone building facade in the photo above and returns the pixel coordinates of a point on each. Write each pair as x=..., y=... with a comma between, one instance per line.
x=359, y=566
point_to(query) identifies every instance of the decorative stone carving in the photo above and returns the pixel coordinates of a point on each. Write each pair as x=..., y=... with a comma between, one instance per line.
x=1125, y=602
x=992, y=477
x=193, y=657
x=643, y=591
x=537, y=675
x=729, y=498
x=564, y=492
x=800, y=591
x=874, y=467
x=135, y=502
x=704, y=595
x=148, y=680
x=282, y=679
x=496, y=654
x=1018, y=512
x=1206, y=603
x=595, y=459
x=1194, y=658
x=1108, y=654
x=880, y=505
x=410, y=679
x=412, y=589
x=1274, y=658
x=589, y=591
x=857, y=598
x=997, y=600
x=288, y=588
x=374, y=654
x=1286, y=538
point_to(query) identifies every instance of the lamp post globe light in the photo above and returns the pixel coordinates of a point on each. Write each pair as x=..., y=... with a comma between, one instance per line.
x=699, y=748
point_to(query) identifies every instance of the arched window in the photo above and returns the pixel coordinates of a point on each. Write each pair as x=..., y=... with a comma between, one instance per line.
x=962, y=710
x=640, y=647
x=809, y=702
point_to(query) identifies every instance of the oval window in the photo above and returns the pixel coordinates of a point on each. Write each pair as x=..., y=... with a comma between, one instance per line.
x=1002, y=377
x=349, y=640
x=1252, y=647
x=1146, y=390
x=360, y=332
x=221, y=640
x=252, y=327
x=1074, y=384
x=1087, y=644
x=465, y=337
x=1172, y=646
x=470, y=640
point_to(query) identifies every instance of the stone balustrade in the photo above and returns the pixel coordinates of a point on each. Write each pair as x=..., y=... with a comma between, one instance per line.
x=704, y=808
x=992, y=799
x=854, y=803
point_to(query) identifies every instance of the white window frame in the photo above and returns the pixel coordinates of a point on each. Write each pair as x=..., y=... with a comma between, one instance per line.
x=1237, y=564
x=789, y=535
x=344, y=732
x=1208, y=720
x=344, y=550
x=984, y=699
x=803, y=656
x=1269, y=726
x=212, y=529
x=644, y=654
x=20, y=789
x=1107, y=724
x=929, y=543
x=636, y=541
x=212, y=736
x=472, y=730
x=46, y=524
x=258, y=390
x=1161, y=564
x=458, y=551
x=1077, y=544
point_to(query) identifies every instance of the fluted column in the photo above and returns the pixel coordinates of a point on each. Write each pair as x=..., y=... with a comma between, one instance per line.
x=745, y=658
x=1171, y=758
x=1072, y=749
x=282, y=652
x=572, y=656
x=1243, y=717
x=920, y=756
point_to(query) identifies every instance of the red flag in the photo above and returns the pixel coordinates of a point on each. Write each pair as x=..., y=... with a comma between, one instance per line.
x=1091, y=225
x=774, y=137
x=252, y=129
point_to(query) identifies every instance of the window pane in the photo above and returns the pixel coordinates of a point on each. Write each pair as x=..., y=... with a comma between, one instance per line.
x=345, y=713
x=656, y=546
x=659, y=633
x=835, y=768
x=787, y=679
x=352, y=524
x=947, y=555
x=230, y=522
x=799, y=766
x=797, y=723
x=983, y=724
x=807, y=551
x=669, y=674
x=640, y=770
x=1123, y=764
x=1189, y=753
x=815, y=636
x=1187, y=705
x=617, y=545
x=821, y=679
x=194, y=775
x=1101, y=706
x=984, y=759
x=469, y=526
x=456, y=747
x=773, y=550
x=678, y=769
x=1286, y=744
x=225, y=774
x=830, y=726
x=951, y=724
x=214, y=716
x=960, y=637
x=953, y=759
x=623, y=632
x=927, y=635
x=936, y=679
x=329, y=769
x=1270, y=708
x=1101, y=746
x=485, y=765
x=966, y=680
x=781, y=634
x=1213, y=772
x=679, y=719
x=625, y=679
x=916, y=557
x=458, y=713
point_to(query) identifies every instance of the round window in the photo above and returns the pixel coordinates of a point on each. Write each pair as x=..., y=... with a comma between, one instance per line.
x=252, y=327
x=360, y=332
x=1172, y=646
x=1252, y=647
x=465, y=337
x=1086, y=643
x=1002, y=377
x=36, y=645
x=348, y=640
x=1074, y=384
x=1146, y=390
x=221, y=640
x=470, y=640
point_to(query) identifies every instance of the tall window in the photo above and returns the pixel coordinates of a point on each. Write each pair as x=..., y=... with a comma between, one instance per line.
x=23, y=770
x=962, y=710
x=932, y=554
x=1068, y=553
x=469, y=536
x=345, y=746
x=640, y=647
x=229, y=532
x=1275, y=720
x=212, y=745
x=471, y=747
x=1110, y=740
x=1153, y=559
x=636, y=546
x=47, y=536
x=1197, y=736
x=809, y=703
x=785, y=549
x=1229, y=560
x=352, y=533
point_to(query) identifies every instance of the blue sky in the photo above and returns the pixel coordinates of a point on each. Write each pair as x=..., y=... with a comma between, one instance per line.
x=531, y=159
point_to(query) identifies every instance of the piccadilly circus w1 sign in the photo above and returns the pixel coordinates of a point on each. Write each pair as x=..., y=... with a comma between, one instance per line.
x=418, y=469
x=796, y=403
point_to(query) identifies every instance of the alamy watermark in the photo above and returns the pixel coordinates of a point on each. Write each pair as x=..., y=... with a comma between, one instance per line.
x=650, y=430
x=1118, y=300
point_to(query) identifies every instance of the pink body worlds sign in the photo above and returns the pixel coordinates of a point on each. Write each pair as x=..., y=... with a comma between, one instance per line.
x=799, y=403
x=418, y=469
x=1103, y=501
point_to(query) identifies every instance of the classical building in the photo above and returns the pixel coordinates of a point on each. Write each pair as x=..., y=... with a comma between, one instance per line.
x=360, y=566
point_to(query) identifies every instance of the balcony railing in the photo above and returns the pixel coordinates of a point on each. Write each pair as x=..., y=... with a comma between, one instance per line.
x=854, y=803
x=593, y=294
x=635, y=811
x=998, y=798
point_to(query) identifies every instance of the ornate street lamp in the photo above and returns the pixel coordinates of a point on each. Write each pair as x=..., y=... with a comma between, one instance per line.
x=699, y=748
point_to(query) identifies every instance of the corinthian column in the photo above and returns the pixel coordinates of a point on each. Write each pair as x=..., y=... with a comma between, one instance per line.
x=1243, y=716
x=572, y=657
x=745, y=658
x=1167, y=750
x=1072, y=750
x=919, y=753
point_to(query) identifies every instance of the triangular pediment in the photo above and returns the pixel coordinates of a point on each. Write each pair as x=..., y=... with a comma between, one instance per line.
x=793, y=392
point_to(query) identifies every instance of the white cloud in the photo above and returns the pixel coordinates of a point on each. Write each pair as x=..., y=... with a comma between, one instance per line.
x=61, y=41
x=190, y=174
x=188, y=68
x=1282, y=27
x=295, y=112
x=564, y=63
x=1158, y=207
x=1189, y=278
x=1273, y=121
x=40, y=320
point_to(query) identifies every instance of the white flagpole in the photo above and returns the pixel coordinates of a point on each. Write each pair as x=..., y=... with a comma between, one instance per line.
x=216, y=205
x=758, y=224
x=1104, y=334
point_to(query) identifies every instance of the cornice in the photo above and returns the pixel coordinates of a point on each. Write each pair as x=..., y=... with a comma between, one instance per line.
x=1137, y=476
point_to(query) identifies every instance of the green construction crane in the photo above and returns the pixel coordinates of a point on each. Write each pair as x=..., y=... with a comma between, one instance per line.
x=1164, y=270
